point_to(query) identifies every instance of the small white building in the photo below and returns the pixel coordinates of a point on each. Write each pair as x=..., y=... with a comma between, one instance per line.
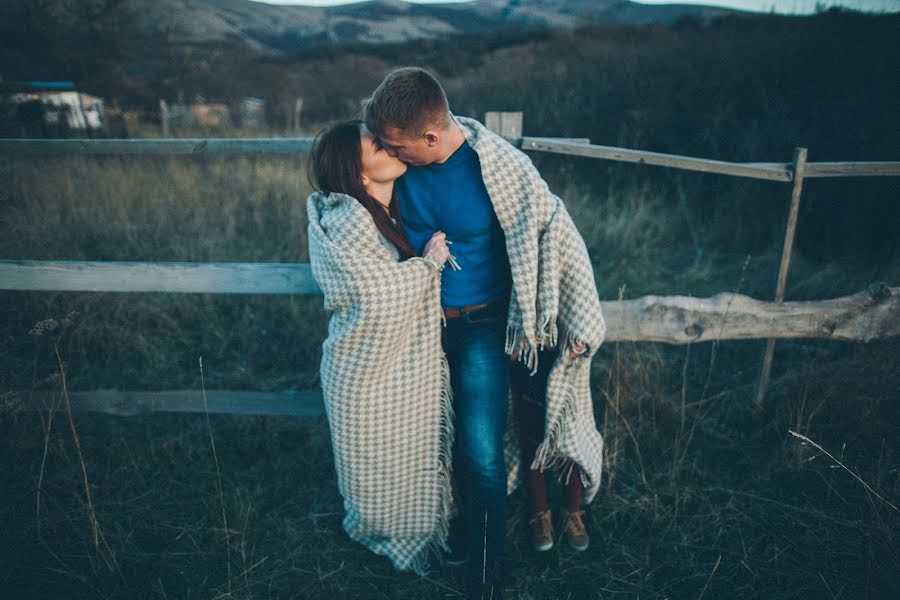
x=53, y=109
x=252, y=112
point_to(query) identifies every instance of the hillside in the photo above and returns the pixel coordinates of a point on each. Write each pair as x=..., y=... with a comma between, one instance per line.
x=241, y=24
x=702, y=497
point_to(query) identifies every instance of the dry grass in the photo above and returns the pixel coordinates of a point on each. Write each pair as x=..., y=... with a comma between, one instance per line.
x=702, y=497
x=177, y=208
x=778, y=525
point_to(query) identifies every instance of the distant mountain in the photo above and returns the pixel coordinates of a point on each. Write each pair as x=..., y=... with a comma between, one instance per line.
x=278, y=28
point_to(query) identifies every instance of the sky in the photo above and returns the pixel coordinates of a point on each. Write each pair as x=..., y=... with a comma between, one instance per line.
x=780, y=6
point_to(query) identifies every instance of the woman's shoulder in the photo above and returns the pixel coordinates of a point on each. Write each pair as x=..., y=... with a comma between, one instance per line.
x=333, y=206
x=330, y=200
x=341, y=217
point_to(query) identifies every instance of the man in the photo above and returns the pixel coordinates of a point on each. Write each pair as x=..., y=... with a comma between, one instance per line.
x=521, y=282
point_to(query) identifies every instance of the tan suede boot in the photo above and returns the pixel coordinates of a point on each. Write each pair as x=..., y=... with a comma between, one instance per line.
x=574, y=530
x=541, y=526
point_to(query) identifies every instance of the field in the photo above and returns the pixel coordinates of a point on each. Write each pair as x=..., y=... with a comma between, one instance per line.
x=702, y=496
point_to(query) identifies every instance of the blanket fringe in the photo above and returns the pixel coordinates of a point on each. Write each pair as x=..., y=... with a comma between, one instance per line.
x=548, y=332
x=547, y=336
x=547, y=456
x=438, y=542
x=517, y=340
x=514, y=335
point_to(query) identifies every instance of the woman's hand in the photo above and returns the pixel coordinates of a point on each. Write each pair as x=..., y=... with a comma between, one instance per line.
x=436, y=249
x=576, y=349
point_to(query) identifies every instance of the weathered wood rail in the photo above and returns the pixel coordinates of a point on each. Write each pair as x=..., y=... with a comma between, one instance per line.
x=771, y=171
x=156, y=147
x=568, y=146
x=130, y=403
x=868, y=315
x=675, y=319
x=172, y=277
x=862, y=317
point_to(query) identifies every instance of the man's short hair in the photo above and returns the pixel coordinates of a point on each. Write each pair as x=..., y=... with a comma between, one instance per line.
x=409, y=99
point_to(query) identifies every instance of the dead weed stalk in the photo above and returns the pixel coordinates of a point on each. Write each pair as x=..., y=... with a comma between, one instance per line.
x=843, y=466
x=212, y=443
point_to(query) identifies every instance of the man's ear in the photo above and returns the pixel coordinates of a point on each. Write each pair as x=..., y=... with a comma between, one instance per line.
x=432, y=138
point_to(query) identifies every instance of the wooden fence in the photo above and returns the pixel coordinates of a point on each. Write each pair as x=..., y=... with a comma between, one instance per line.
x=871, y=314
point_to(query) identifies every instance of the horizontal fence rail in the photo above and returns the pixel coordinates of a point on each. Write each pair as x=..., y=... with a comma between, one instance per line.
x=157, y=147
x=174, y=146
x=674, y=319
x=566, y=146
x=129, y=403
x=670, y=319
x=770, y=171
x=177, y=277
x=867, y=315
x=852, y=169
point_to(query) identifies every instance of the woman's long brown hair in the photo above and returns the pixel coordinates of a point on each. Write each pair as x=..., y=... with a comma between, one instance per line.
x=335, y=165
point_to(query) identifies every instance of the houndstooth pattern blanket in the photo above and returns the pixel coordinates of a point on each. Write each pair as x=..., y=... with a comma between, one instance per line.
x=553, y=303
x=385, y=383
x=384, y=376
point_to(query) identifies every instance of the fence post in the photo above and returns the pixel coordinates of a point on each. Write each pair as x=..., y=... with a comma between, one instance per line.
x=164, y=117
x=798, y=169
x=506, y=124
x=298, y=107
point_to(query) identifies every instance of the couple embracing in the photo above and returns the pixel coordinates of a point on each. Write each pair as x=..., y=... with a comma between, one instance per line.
x=463, y=301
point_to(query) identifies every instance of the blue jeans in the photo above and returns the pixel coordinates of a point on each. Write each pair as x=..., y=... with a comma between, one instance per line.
x=479, y=375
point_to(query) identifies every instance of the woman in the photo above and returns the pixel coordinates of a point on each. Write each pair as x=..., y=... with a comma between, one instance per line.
x=530, y=392
x=384, y=376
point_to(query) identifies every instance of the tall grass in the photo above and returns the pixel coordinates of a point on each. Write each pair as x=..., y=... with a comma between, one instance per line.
x=164, y=210
x=701, y=495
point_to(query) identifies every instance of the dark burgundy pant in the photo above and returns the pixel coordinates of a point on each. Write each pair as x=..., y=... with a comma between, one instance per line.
x=530, y=392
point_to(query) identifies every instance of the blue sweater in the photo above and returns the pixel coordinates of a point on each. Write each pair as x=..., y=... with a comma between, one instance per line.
x=451, y=197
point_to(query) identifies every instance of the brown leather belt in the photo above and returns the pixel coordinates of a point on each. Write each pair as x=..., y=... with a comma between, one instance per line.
x=455, y=313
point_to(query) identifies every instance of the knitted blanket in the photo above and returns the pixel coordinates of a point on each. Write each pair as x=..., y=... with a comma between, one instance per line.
x=384, y=376
x=553, y=302
x=385, y=384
